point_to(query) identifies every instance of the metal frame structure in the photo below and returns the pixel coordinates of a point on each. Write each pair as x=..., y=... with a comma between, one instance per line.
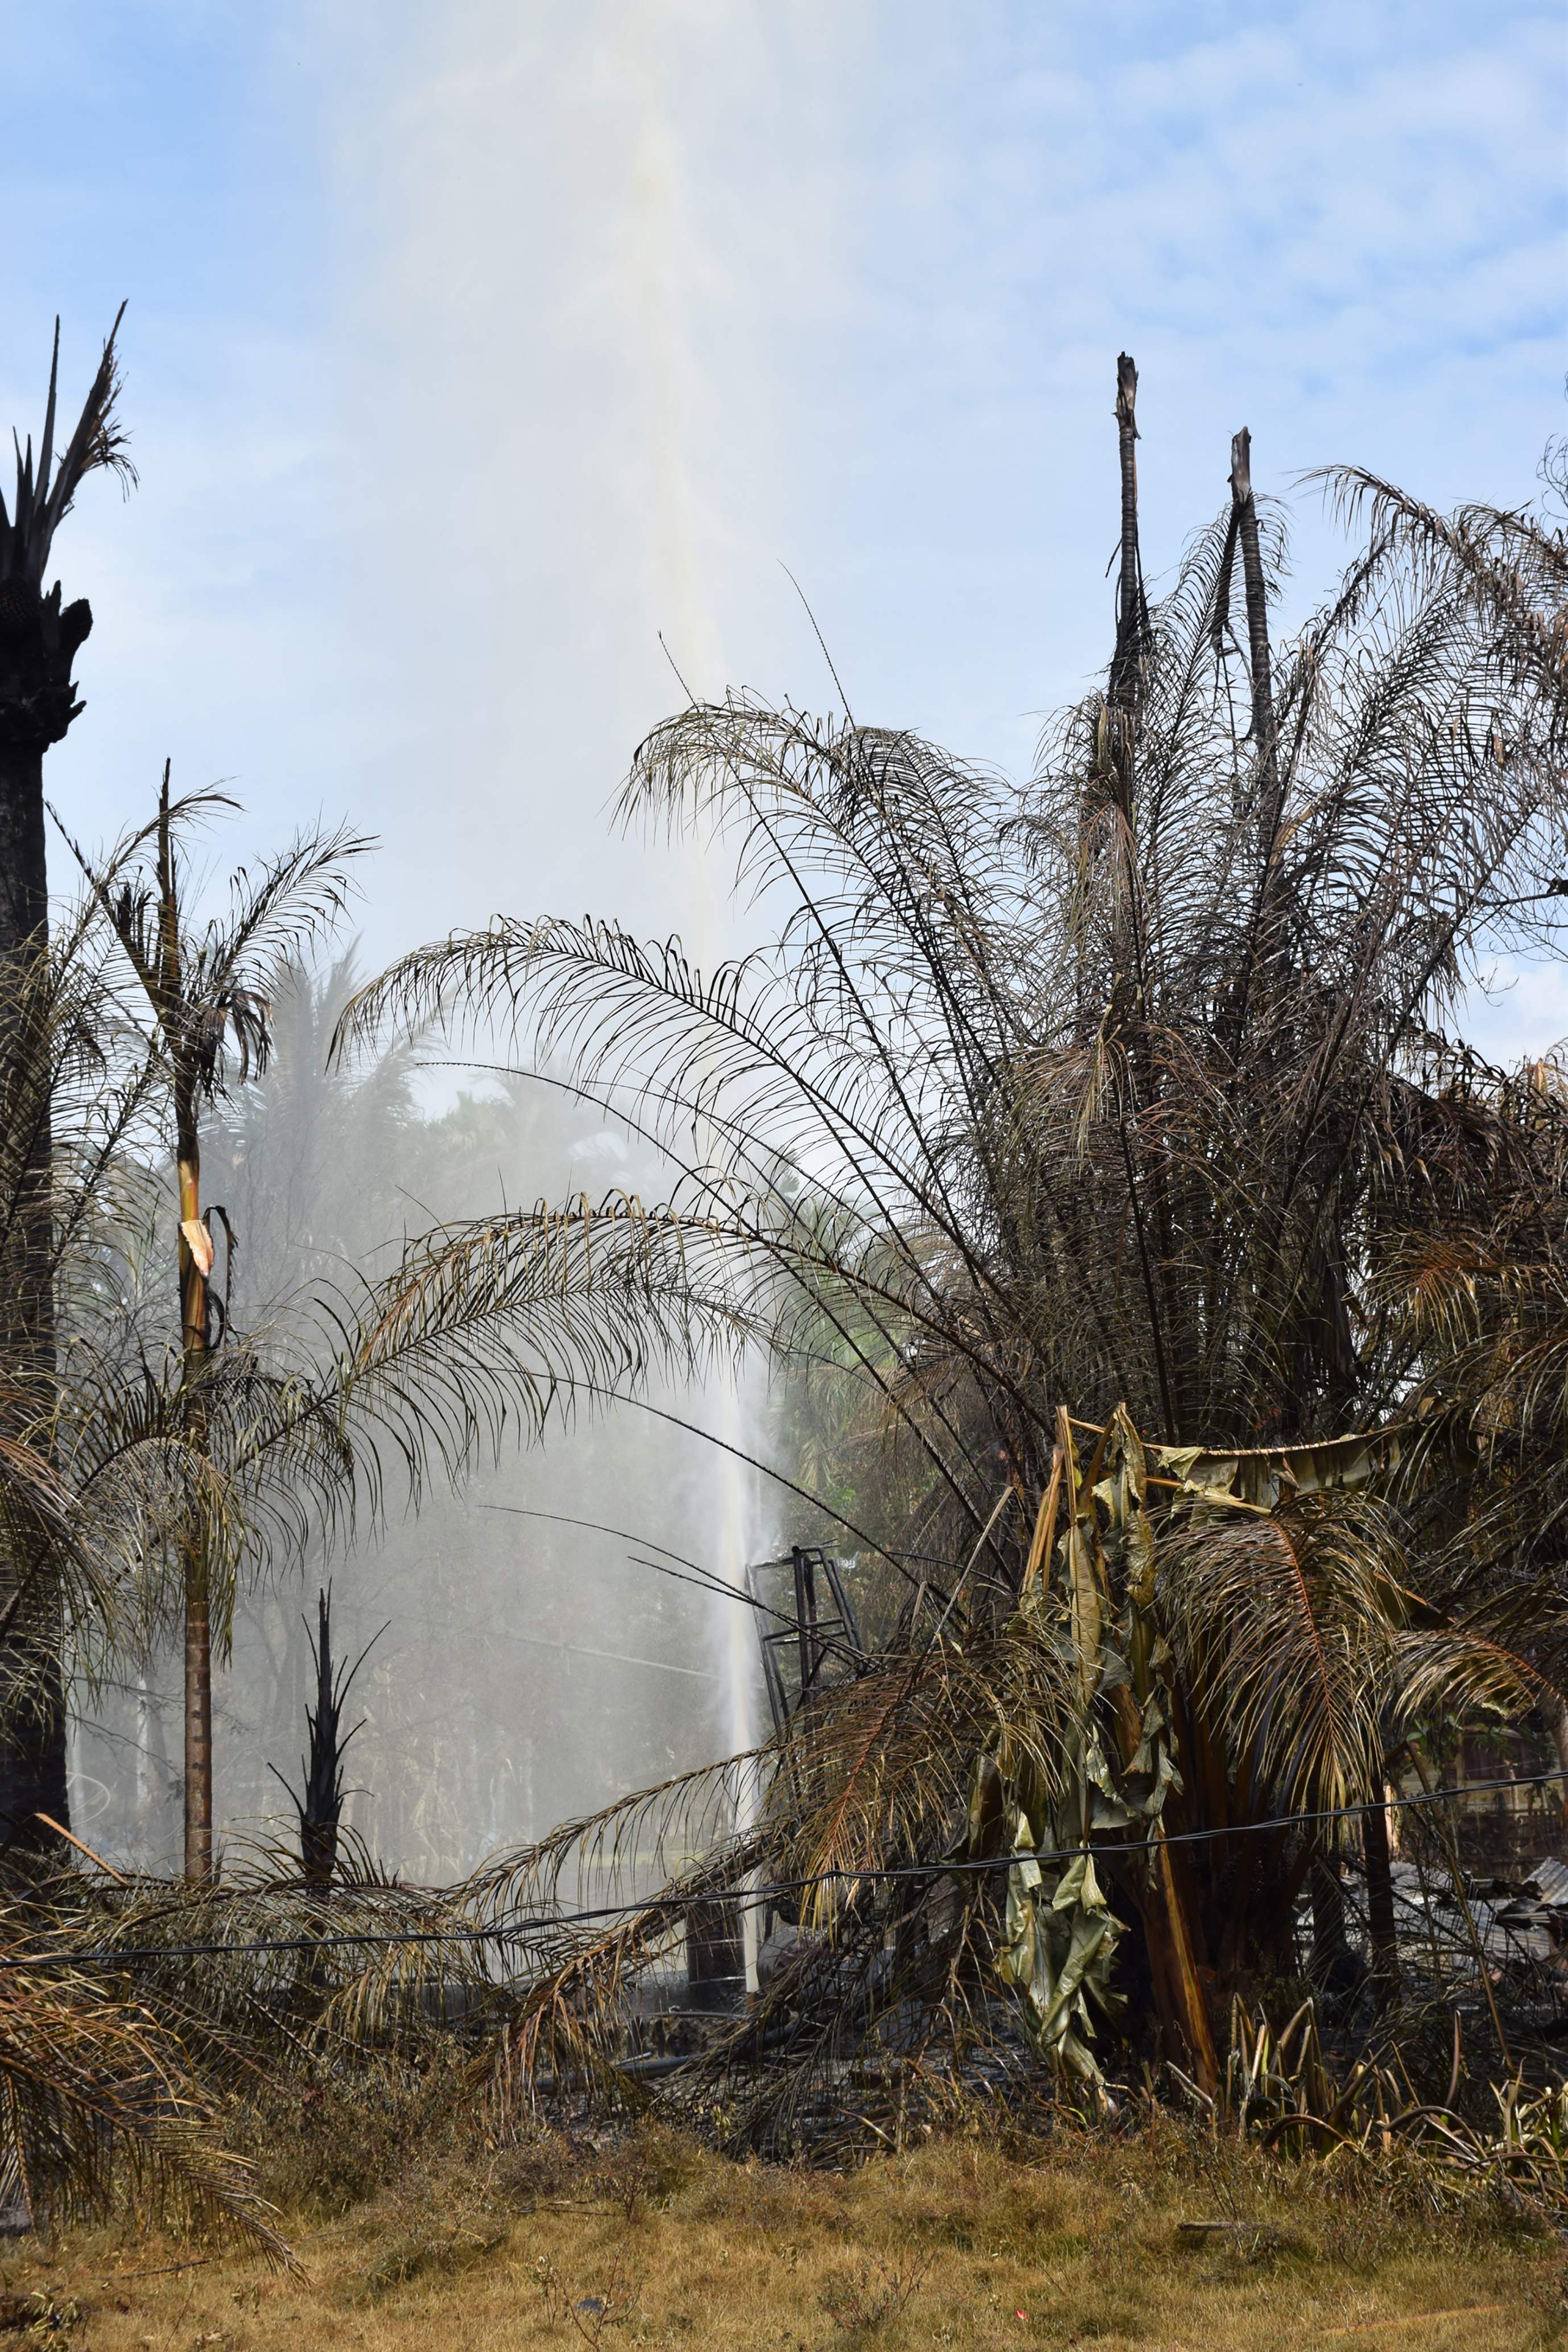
x=807, y=1630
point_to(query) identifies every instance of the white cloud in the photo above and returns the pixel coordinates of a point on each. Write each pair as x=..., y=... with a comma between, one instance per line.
x=523, y=334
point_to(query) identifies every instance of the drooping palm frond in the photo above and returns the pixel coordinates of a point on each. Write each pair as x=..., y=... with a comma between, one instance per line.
x=1286, y=1627
x=264, y=1973
x=250, y=1462
x=1510, y=565
x=1479, y=1294
x=521, y=1317
x=100, y=2104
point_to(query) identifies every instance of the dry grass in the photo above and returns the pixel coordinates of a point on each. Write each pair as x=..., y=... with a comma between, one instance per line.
x=652, y=2242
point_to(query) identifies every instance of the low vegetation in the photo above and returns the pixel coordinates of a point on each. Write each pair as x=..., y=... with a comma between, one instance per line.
x=1159, y=2237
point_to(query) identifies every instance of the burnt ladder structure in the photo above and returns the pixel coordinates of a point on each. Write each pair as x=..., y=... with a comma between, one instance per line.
x=807, y=1627
x=810, y=1641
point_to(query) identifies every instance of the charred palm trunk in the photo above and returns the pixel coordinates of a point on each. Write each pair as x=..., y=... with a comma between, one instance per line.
x=1110, y=812
x=1268, y=791
x=1243, y=515
x=39, y=640
x=164, y=978
x=1322, y=1362
x=1131, y=607
x=38, y=643
x=1331, y=1949
x=1381, y=1933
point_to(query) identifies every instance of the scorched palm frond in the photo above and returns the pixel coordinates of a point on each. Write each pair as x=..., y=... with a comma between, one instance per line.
x=1075, y=1135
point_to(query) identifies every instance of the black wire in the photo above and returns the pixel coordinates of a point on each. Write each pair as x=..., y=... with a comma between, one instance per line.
x=520, y=1929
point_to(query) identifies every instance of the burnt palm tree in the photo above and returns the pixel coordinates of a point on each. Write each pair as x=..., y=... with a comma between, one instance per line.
x=1107, y=1101
x=319, y=1802
x=40, y=639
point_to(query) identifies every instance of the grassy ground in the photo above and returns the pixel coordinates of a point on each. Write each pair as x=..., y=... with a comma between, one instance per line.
x=953, y=2245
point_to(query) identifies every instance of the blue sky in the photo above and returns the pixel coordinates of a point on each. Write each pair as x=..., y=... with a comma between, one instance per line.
x=472, y=346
